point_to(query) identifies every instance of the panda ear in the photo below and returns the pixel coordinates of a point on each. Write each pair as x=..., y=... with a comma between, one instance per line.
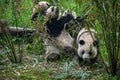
x=95, y=43
x=52, y=9
x=48, y=5
x=82, y=42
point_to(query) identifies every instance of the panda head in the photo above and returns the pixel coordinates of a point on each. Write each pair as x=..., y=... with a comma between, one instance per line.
x=53, y=12
x=87, y=46
x=41, y=8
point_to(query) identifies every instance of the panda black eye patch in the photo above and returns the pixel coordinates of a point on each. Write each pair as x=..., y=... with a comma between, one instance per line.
x=52, y=9
x=83, y=52
x=68, y=11
x=47, y=4
x=90, y=53
x=82, y=42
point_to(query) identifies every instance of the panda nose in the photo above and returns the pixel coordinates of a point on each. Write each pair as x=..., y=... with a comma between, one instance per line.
x=86, y=58
x=90, y=53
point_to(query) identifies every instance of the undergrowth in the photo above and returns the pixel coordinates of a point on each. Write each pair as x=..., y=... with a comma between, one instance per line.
x=21, y=18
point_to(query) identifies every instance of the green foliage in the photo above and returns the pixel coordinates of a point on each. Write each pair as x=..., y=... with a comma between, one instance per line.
x=8, y=46
x=22, y=9
x=75, y=5
x=36, y=47
x=110, y=25
x=18, y=14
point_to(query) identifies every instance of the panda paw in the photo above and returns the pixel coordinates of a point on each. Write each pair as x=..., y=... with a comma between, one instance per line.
x=53, y=57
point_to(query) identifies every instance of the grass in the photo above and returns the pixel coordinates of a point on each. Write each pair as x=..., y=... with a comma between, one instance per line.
x=48, y=71
x=23, y=13
x=68, y=71
x=40, y=70
x=34, y=66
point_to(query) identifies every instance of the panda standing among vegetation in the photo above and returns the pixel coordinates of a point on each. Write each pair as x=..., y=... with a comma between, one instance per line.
x=87, y=46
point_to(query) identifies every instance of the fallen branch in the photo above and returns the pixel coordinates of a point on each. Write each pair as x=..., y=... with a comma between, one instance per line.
x=15, y=31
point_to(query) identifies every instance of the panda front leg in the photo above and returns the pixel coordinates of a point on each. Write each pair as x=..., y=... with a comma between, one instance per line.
x=52, y=52
x=94, y=60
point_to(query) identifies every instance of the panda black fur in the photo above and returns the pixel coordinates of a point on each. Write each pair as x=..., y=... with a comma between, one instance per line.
x=56, y=24
x=87, y=46
x=41, y=8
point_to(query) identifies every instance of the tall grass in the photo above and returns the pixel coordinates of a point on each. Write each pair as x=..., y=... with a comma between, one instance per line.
x=108, y=16
x=81, y=7
x=17, y=13
x=9, y=48
x=23, y=12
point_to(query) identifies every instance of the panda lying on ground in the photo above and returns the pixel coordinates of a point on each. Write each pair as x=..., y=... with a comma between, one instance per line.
x=87, y=46
x=59, y=40
x=56, y=39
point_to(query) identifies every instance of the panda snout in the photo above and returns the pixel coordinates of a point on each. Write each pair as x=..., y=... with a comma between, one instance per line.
x=86, y=56
x=86, y=59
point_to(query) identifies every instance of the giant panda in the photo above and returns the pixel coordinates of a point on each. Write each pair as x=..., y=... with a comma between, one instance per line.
x=59, y=40
x=56, y=22
x=87, y=46
x=41, y=8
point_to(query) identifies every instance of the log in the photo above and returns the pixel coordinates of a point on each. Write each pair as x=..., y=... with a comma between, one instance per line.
x=15, y=31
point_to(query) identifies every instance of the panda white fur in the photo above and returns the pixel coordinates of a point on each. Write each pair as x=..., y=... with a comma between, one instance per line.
x=41, y=8
x=87, y=46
